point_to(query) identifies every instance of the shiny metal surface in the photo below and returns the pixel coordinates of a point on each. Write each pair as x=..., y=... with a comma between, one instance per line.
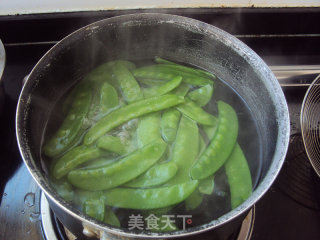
x=310, y=124
x=47, y=224
x=2, y=58
x=235, y=62
x=294, y=75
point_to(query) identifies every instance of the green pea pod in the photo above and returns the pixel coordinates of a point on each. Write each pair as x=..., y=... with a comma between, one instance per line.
x=202, y=144
x=94, y=208
x=113, y=144
x=99, y=162
x=185, y=68
x=162, y=89
x=196, y=113
x=221, y=145
x=111, y=218
x=74, y=158
x=185, y=149
x=63, y=188
x=181, y=90
x=210, y=130
x=151, y=82
x=202, y=95
x=169, y=124
x=71, y=125
x=239, y=177
x=131, y=111
x=124, y=170
x=206, y=186
x=108, y=98
x=128, y=64
x=160, y=71
x=149, y=198
x=103, y=72
x=155, y=176
x=194, y=200
x=148, y=129
x=130, y=88
x=80, y=197
x=99, y=74
x=94, y=109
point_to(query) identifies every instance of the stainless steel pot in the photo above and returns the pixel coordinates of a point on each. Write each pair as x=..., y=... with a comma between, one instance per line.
x=2, y=64
x=143, y=36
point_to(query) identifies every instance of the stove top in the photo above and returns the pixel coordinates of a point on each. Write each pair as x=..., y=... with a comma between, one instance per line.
x=287, y=39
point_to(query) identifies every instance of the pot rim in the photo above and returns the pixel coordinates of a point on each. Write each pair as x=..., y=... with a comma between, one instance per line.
x=250, y=56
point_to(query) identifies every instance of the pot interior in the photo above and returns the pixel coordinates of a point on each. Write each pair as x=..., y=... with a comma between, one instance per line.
x=141, y=37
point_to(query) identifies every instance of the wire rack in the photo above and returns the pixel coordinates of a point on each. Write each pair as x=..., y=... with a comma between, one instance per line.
x=310, y=123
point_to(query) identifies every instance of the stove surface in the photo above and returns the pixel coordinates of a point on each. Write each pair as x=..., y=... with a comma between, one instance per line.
x=286, y=37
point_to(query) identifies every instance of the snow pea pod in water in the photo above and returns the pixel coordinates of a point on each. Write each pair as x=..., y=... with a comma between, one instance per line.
x=74, y=158
x=221, y=145
x=160, y=71
x=126, y=113
x=239, y=177
x=149, y=198
x=71, y=125
x=119, y=172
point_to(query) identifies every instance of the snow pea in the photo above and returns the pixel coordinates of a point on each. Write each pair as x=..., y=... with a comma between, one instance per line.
x=111, y=218
x=130, y=88
x=181, y=90
x=221, y=145
x=72, y=124
x=196, y=113
x=151, y=82
x=119, y=172
x=93, y=109
x=185, y=149
x=148, y=129
x=74, y=158
x=103, y=72
x=63, y=188
x=98, y=162
x=108, y=98
x=202, y=95
x=194, y=200
x=113, y=144
x=239, y=177
x=94, y=208
x=126, y=113
x=169, y=124
x=155, y=176
x=210, y=131
x=206, y=186
x=162, y=89
x=202, y=144
x=184, y=68
x=159, y=71
x=149, y=198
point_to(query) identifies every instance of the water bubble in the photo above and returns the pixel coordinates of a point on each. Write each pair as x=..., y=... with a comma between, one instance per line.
x=35, y=216
x=23, y=212
x=29, y=199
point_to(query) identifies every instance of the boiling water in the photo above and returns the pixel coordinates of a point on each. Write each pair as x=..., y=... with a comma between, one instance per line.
x=218, y=203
